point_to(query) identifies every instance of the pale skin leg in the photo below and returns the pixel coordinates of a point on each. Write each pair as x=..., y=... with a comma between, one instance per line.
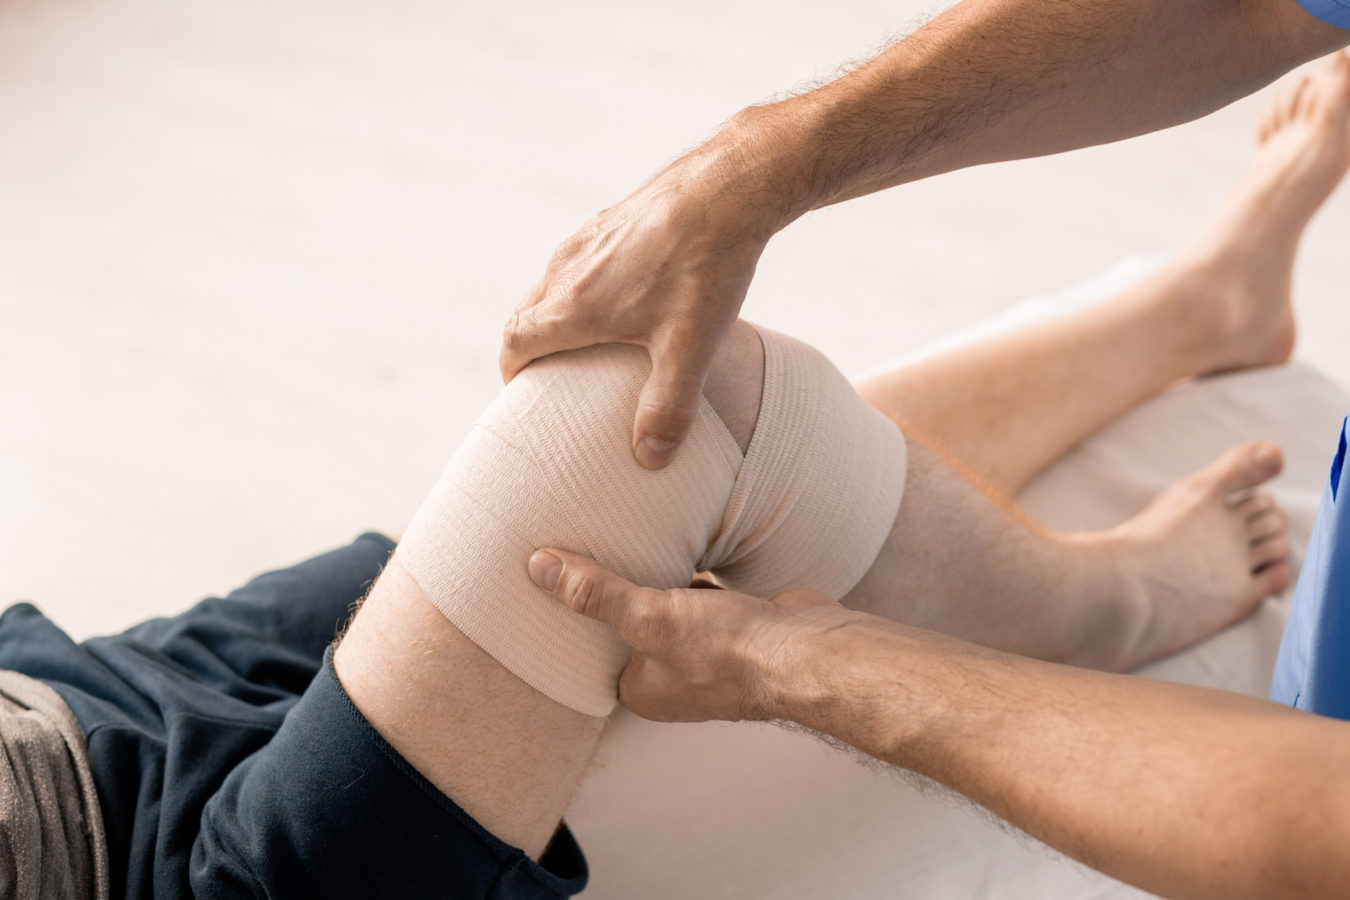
x=512, y=758
x=1069, y=377
x=508, y=755
x=959, y=562
x=1192, y=562
x=1223, y=303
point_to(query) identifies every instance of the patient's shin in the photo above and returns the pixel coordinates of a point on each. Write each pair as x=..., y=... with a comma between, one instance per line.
x=550, y=464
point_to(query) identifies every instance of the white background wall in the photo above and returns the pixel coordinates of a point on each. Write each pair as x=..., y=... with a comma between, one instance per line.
x=254, y=257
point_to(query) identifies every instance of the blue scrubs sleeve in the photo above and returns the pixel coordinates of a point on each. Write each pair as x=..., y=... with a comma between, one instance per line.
x=1313, y=669
x=1333, y=12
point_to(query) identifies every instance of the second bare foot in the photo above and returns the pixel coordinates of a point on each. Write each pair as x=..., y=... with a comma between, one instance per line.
x=1241, y=264
x=1206, y=551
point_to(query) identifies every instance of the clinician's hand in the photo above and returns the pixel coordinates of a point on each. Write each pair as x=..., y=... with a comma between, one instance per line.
x=666, y=269
x=697, y=654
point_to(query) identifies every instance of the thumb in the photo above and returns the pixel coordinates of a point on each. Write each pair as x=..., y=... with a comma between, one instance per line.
x=590, y=589
x=670, y=398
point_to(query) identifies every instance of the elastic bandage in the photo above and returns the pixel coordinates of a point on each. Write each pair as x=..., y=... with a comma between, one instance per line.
x=549, y=464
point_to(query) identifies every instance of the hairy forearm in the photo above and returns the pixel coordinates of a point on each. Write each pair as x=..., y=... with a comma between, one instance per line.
x=1182, y=791
x=1004, y=79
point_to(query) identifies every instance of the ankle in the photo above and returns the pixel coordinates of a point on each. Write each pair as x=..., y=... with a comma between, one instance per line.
x=1188, y=314
x=1219, y=315
x=1114, y=632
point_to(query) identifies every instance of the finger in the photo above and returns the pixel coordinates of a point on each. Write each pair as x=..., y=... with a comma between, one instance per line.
x=670, y=399
x=535, y=331
x=594, y=591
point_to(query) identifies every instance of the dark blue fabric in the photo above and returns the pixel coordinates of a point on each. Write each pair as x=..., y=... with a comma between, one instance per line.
x=329, y=809
x=217, y=779
x=1313, y=669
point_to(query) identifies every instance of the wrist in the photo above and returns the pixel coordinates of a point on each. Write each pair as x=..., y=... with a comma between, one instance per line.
x=756, y=170
x=877, y=685
x=802, y=665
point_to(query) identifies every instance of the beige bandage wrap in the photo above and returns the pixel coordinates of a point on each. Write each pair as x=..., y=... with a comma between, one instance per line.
x=550, y=464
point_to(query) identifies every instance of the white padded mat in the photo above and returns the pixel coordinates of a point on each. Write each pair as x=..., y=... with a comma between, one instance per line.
x=719, y=810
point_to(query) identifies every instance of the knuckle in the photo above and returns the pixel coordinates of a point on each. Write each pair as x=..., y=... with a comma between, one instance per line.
x=563, y=289
x=578, y=242
x=581, y=591
x=641, y=619
x=511, y=338
x=566, y=250
x=648, y=618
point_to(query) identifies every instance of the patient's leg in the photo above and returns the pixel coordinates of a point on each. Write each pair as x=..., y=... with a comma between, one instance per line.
x=1010, y=406
x=962, y=563
x=511, y=757
x=955, y=559
x=506, y=753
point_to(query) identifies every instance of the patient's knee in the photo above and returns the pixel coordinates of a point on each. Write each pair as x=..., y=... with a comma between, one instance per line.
x=787, y=479
x=550, y=464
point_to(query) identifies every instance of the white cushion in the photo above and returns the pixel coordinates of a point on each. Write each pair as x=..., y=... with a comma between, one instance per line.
x=747, y=810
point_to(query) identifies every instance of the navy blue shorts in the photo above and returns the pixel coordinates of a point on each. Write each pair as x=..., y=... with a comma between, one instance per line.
x=230, y=762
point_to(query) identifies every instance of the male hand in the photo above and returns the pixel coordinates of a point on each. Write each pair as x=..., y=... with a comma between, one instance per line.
x=697, y=654
x=666, y=269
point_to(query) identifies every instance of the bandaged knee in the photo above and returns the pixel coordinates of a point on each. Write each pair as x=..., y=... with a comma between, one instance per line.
x=550, y=464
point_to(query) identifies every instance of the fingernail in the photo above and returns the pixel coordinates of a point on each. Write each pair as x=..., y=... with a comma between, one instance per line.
x=654, y=453
x=545, y=569
x=1268, y=454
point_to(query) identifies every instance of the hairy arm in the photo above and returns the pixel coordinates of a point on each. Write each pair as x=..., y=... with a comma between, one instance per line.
x=994, y=80
x=1185, y=792
x=668, y=267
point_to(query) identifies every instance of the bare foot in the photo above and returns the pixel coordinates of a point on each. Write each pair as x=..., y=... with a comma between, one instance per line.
x=1247, y=250
x=1207, y=550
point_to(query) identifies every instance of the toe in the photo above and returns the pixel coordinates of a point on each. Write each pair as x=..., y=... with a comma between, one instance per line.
x=1271, y=550
x=1337, y=74
x=1273, y=579
x=1265, y=124
x=1255, y=505
x=1269, y=121
x=1336, y=65
x=1287, y=103
x=1245, y=466
x=1304, y=99
x=1267, y=525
